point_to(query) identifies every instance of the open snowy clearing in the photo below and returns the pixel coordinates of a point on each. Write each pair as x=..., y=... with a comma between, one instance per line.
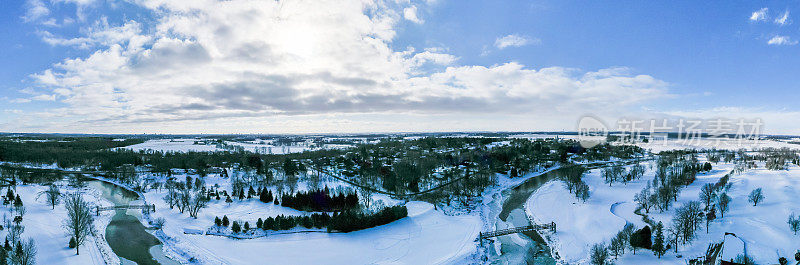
x=173, y=145
x=44, y=225
x=425, y=237
x=206, y=145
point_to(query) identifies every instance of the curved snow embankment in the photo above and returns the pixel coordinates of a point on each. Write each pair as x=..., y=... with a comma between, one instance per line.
x=579, y=224
x=625, y=211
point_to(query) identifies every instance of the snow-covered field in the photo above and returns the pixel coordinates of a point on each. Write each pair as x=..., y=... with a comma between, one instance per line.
x=427, y=236
x=597, y=220
x=205, y=145
x=173, y=145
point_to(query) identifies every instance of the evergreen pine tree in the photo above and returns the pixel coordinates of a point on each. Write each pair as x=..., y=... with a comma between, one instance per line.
x=262, y=196
x=7, y=246
x=259, y=223
x=246, y=226
x=658, y=241
x=235, y=227
x=18, y=201
x=225, y=221
x=217, y=221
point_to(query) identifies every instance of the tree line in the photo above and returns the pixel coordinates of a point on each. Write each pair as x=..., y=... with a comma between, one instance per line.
x=346, y=221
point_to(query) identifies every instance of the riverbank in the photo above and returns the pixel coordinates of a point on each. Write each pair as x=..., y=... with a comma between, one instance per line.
x=44, y=225
x=510, y=249
x=155, y=245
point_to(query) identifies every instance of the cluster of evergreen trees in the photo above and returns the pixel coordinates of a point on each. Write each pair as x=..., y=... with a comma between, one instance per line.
x=265, y=196
x=10, y=198
x=316, y=220
x=320, y=201
x=352, y=220
x=346, y=221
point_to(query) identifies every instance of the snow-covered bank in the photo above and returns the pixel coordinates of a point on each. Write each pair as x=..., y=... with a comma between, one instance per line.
x=509, y=249
x=44, y=225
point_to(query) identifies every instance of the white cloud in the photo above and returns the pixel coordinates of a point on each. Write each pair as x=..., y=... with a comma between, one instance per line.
x=783, y=19
x=513, y=40
x=36, y=9
x=759, y=15
x=432, y=57
x=781, y=40
x=101, y=34
x=256, y=63
x=410, y=13
x=44, y=98
x=52, y=22
x=20, y=100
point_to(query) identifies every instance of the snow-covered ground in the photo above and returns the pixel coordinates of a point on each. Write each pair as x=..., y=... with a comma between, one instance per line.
x=173, y=145
x=763, y=227
x=656, y=146
x=426, y=236
x=205, y=145
x=44, y=225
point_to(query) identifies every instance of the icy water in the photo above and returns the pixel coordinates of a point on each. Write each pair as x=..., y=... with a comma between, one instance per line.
x=125, y=234
x=532, y=249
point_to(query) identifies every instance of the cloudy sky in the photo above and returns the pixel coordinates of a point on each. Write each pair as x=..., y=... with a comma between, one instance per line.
x=260, y=66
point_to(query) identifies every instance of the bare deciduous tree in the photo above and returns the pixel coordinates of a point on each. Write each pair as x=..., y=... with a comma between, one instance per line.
x=15, y=231
x=723, y=204
x=52, y=194
x=755, y=196
x=643, y=199
x=196, y=202
x=794, y=223
x=79, y=218
x=25, y=253
x=599, y=254
x=707, y=194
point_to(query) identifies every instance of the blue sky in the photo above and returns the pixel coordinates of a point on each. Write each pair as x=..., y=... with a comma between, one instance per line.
x=151, y=66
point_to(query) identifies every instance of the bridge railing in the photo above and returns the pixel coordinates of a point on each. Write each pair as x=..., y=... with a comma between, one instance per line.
x=148, y=207
x=551, y=226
